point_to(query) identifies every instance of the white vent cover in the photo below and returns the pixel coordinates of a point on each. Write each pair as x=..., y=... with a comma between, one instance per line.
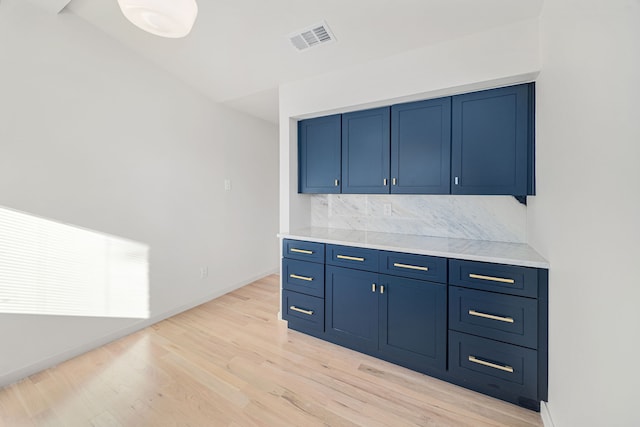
x=312, y=36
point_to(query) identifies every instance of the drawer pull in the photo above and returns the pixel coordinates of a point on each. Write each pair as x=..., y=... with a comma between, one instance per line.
x=300, y=310
x=295, y=276
x=491, y=278
x=350, y=258
x=505, y=368
x=301, y=251
x=491, y=316
x=410, y=267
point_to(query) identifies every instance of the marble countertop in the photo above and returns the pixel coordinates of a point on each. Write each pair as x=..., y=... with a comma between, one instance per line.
x=473, y=250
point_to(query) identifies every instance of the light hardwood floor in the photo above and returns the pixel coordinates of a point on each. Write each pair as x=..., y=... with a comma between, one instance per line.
x=231, y=362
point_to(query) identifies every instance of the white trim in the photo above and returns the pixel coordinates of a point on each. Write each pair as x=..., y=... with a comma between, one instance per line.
x=24, y=372
x=545, y=414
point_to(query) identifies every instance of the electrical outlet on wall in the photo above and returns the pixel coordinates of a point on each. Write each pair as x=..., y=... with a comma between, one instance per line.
x=388, y=209
x=204, y=272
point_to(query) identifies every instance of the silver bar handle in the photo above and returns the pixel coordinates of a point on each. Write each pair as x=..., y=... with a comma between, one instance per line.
x=411, y=267
x=300, y=310
x=505, y=368
x=295, y=276
x=491, y=316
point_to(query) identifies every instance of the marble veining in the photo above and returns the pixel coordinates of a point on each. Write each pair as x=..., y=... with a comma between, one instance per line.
x=475, y=250
x=495, y=218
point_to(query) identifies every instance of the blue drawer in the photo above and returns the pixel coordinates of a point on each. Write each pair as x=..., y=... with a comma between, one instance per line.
x=304, y=251
x=420, y=267
x=495, y=368
x=350, y=257
x=505, y=318
x=304, y=277
x=303, y=312
x=508, y=279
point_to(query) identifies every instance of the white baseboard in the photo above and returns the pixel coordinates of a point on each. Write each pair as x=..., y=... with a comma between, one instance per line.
x=547, y=421
x=48, y=362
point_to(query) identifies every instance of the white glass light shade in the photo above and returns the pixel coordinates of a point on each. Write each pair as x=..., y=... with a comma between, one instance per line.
x=164, y=18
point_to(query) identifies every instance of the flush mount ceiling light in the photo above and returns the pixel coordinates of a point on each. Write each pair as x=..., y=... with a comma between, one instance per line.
x=164, y=18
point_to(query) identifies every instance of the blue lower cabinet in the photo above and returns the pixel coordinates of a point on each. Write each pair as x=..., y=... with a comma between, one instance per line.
x=422, y=267
x=352, y=308
x=506, y=318
x=402, y=320
x=480, y=325
x=303, y=312
x=303, y=251
x=486, y=276
x=413, y=322
x=351, y=257
x=502, y=370
x=303, y=277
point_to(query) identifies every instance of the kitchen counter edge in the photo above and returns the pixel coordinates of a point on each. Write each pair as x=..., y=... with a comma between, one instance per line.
x=519, y=254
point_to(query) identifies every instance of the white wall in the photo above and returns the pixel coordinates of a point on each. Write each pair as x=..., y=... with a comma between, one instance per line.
x=92, y=135
x=498, y=57
x=585, y=218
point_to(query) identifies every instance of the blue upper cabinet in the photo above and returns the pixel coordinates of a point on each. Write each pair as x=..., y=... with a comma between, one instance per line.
x=365, y=151
x=474, y=143
x=492, y=142
x=319, y=142
x=421, y=147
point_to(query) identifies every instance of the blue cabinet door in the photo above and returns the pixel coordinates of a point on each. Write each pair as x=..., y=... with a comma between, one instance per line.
x=491, y=142
x=303, y=277
x=495, y=368
x=319, y=155
x=413, y=322
x=352, y=308
x=365, y=151
x=505, y=318
x=487, y=276
x=421, y=147
x=422, y=267
x=353, y=257
x=303, y=251
x=303, y=312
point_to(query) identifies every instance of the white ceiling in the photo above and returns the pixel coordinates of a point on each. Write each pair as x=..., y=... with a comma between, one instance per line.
x=238, y=53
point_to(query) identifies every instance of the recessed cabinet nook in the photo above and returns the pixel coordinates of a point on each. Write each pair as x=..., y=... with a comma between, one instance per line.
x=478, y=320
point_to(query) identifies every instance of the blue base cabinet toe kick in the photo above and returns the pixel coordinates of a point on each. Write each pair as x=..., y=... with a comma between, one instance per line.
x=479, y=325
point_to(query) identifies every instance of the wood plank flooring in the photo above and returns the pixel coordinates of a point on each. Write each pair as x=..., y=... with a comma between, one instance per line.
x=231, y=362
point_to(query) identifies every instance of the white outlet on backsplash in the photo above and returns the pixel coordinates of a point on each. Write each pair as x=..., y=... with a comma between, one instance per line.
x=496, y=218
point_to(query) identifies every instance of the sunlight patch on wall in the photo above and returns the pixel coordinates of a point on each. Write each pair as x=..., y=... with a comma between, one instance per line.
x=51, y=268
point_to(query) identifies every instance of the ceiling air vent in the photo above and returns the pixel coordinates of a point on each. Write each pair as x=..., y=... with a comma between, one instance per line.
x=312, y=36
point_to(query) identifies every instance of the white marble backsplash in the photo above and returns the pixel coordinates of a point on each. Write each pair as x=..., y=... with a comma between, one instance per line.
x=495, y=218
